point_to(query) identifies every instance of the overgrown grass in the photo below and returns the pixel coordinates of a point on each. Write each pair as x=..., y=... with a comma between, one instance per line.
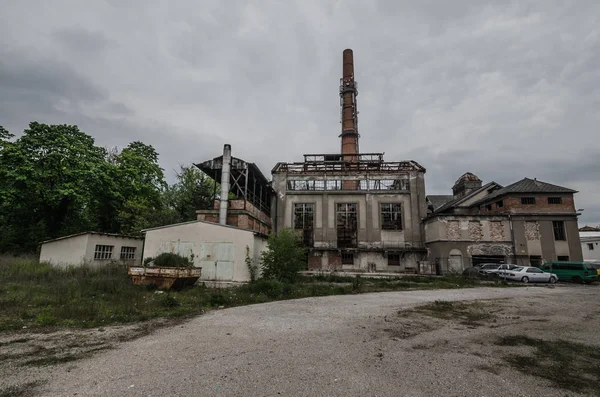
x=39, y=295
x=569, y=365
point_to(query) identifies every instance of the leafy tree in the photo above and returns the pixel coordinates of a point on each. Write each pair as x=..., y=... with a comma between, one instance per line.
x=192, y=191
x=284, y=256
x=49, y=175
x=141, y=184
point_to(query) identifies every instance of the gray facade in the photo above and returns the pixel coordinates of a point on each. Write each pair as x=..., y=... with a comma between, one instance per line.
x=362, y=219
x=525, y=223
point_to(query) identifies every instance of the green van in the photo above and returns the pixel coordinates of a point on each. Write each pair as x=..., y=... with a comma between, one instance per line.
x=578, y=272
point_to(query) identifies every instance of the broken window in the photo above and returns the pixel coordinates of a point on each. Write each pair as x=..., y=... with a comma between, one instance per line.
x=305, y=185
x=527, y=200
x=500, y=204
x=393, y=259
x=103, y=252
x=559, y=230
x=347, y=258
x=488, y=207
x=391, y=216
x=554, y=200
x=303, y=220
x=346, y=224
x=127, y=253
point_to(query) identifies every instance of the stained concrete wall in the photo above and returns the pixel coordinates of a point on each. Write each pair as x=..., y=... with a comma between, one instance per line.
x=80, y=249
x=117, y=243
x=413, y=202
x=220, y=250
x=65, y=252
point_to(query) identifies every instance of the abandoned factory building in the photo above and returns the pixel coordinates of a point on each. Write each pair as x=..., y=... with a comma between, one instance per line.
x=360, y=212
x=355, y=210
x=524, y=223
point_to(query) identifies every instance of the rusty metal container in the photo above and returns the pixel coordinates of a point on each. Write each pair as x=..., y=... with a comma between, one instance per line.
x=164, y=277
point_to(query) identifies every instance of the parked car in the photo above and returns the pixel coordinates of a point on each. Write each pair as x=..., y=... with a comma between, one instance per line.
x=502, y=269
x=485, y=268
x=578, y=272
x=529, y=274
x=595, y=265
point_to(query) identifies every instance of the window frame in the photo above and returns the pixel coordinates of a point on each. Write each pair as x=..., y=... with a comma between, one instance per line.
x=304, y=215
x=555, y=200
x=103, y=252
x=127, y=253
x=560, y=233
x=590, y=246
x=393, y=224
x=526, y=200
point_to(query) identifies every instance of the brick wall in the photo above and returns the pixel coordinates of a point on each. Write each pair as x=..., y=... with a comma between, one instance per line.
x=513, y=205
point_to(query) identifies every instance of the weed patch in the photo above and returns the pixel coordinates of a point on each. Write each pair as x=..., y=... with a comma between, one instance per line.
x=24, y=390
x=470, y=314
x=568, y=365
x=40, y=295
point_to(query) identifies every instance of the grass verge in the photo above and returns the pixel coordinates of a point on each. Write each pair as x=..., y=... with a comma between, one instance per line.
x=39, y=295
x=568, y=365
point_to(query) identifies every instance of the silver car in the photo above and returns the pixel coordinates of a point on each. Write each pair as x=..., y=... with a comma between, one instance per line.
x=528, y=274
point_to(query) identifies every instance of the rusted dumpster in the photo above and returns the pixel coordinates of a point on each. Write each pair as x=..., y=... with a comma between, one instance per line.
x=164, y=277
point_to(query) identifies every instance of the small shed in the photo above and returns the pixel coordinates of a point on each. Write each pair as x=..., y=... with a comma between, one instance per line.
x=219, y=249
x=92, y=248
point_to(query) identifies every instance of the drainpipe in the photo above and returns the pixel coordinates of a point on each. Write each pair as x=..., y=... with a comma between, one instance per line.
x=512, y=238
x=225, y=178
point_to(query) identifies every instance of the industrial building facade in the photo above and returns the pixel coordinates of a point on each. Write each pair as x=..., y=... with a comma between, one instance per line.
x=525, y=223
x=354, y=211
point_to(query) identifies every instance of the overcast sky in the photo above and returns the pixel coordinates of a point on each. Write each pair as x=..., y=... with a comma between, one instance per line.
x=502, y=89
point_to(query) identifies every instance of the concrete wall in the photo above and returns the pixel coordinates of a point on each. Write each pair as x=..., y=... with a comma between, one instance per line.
x=414, y=207
x=219, y=250
x=591, y=254
x=79, y=250
x=65, y=252
x=117, y=243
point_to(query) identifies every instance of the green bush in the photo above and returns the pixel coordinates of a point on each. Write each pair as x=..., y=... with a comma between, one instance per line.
x=168, y=259
x=284, y=257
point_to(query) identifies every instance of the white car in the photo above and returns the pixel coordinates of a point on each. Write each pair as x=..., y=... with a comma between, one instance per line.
x=528, y=274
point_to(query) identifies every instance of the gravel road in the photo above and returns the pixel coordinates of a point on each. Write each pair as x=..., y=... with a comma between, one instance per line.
x=328, y=346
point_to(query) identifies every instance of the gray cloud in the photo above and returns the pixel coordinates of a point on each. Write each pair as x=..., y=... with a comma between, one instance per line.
x=503, y=89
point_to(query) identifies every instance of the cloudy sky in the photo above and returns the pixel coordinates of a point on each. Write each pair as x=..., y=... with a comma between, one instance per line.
x=502, y=89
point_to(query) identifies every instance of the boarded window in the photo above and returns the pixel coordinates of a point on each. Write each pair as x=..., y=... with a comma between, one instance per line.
x=391, y=216
x=554, y=200
x=103, y=252
x=127, y=253
x=527, y=200
x=559, y=230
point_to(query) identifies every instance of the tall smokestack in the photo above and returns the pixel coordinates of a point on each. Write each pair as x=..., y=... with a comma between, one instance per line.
x=348, y=93
x=225, y=172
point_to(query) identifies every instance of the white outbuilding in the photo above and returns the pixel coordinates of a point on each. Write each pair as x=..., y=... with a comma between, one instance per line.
x=221, y=250
x=92, y=248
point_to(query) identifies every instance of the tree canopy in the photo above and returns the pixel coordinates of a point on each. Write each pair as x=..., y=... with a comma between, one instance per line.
x=55, y=181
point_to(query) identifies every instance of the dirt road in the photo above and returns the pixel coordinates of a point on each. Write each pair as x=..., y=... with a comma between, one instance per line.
x=384, y=344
